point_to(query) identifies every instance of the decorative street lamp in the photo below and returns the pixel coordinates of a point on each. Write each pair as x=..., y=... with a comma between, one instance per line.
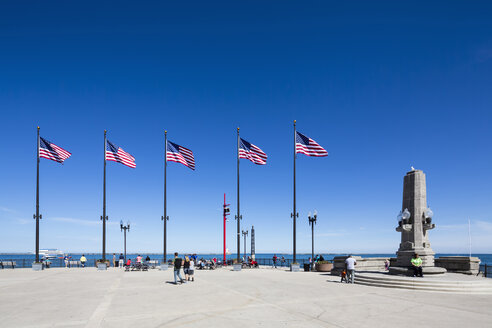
x=403, y=217
x=245, y=233
x=428, y=215
x=125, y=228
x=312, y=222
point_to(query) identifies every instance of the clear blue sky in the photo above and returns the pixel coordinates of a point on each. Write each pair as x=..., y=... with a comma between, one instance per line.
x=382, y=86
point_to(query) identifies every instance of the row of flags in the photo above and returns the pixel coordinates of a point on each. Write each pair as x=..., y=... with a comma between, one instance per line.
x=180, y=154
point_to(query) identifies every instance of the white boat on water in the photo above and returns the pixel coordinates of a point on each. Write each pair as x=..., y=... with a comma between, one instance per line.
x=50, y=253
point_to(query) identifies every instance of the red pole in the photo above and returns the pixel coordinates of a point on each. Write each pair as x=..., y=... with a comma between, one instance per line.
x=225, y=262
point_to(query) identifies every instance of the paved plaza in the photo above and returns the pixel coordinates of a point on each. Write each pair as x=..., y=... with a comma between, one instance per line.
x=222, y=298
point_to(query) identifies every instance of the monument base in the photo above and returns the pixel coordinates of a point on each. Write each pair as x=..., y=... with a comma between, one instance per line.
x=164, y=266
x=406, y=271
x=237, y=267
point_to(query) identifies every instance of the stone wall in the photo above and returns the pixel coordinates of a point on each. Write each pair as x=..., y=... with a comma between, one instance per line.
x=459, y=264
x=363, y=264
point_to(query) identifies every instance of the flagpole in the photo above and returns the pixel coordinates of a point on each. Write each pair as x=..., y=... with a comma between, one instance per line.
x=294, y=214
x=104, y=217
x=165, y=218
x=238, y=217
x=37, y=201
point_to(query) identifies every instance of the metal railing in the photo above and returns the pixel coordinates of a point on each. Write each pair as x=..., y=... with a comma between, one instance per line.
x=485, y=270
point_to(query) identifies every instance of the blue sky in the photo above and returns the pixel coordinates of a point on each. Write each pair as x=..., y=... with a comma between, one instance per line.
x=381, y=86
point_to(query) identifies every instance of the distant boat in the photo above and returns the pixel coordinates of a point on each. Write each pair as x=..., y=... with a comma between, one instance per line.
x=50, y=253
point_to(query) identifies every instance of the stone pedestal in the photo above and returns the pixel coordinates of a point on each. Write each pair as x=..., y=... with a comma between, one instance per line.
x=164, y=266
x=294, y=267
x=237, y=267
x=37, y=266
x=102, y=266
x=414, y=231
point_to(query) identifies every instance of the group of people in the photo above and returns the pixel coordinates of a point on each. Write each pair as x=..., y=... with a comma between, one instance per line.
x=275, y=258
x=188, y=265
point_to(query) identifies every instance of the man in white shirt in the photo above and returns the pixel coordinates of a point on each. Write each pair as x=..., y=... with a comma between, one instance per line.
x=350, y=264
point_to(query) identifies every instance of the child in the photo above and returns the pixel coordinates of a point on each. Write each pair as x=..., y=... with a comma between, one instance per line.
x=344, y=276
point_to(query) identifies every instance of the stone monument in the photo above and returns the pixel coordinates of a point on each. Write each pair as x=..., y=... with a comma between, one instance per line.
x=415, y=221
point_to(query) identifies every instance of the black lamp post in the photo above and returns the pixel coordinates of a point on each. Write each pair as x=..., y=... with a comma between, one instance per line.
x=245, y=233
x=125, y=228
x=312, y=222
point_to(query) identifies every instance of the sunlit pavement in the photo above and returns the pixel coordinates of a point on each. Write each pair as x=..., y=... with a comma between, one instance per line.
x=222, y=298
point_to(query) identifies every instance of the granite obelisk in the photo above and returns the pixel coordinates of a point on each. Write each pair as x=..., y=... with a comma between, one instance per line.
x=414, y=225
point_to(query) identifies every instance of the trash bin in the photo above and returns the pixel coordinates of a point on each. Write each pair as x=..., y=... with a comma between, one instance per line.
x=306, y=267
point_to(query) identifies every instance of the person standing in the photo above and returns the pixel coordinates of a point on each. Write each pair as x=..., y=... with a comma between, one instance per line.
x=350, y=264
x=114, y=260
x=177, y=269
x=191, y=270
x=120, y=262
x=83, y=260
x=417, y=265
x=65, y=258
x=274, y=260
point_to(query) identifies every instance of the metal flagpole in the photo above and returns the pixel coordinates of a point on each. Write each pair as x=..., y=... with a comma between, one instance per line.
x=238, y=217
x=294, y=215
x=225, y=218
x=165, y=217
x=37, y=202
x=104, y=217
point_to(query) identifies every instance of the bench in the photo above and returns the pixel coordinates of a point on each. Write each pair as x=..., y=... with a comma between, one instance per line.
x=152, y=263
x=74, y=264
x=8, y=264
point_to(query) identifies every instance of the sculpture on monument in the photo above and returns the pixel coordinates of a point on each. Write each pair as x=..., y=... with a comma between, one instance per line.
x=414, y=222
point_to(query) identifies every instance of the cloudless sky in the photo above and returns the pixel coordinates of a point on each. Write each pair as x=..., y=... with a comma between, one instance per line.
x=381, y=85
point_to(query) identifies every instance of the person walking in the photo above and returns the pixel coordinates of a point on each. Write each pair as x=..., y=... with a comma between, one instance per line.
x=417, y=266
x=350, y=264
x=83, y=260
x=178, y=262
x=186, y=268
x=121, y=261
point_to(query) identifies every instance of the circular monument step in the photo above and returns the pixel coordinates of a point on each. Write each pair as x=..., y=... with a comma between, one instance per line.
x=454, y=283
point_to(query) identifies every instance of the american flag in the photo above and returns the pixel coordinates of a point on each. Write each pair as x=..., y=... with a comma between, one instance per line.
x=117, y=154
x=308, y=146
x=180, y=154
x=251, y=152
x=52, y=151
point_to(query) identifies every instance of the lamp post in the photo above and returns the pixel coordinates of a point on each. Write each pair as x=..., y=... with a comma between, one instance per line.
x=245, y=233
x=125, y=228
x=312, y=222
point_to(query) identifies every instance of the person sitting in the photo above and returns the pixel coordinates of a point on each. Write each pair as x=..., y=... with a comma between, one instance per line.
x=417, y=265
x=128, y=265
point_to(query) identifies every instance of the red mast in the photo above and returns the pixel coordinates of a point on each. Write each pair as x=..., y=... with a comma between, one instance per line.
x=226, y=213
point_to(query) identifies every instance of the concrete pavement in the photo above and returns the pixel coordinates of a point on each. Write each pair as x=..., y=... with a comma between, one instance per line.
x=222, y=298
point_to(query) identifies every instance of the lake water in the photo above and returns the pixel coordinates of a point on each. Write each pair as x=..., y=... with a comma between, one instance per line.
x=485, y=258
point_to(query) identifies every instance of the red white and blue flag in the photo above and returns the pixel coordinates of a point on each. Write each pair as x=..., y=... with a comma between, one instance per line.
x=52, y=151
x=117, y=154
x=253, y=153
x=180, y=154
x=308, y=146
